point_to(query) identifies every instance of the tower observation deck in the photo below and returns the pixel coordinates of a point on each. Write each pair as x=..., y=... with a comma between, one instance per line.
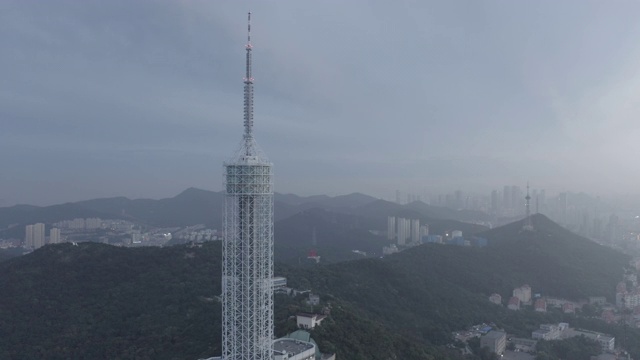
x=247, y=266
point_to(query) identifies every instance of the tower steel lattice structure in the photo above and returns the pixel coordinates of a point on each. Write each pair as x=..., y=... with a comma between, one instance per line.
x=247, y=270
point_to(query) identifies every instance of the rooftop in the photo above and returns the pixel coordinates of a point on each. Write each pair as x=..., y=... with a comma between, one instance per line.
x=312, y=316
x=291, y=346
x=495, y=334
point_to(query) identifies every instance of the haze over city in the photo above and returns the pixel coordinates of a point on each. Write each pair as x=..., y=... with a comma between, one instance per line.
x=144, y=99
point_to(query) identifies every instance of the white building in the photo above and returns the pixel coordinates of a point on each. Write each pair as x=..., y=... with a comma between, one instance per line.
x=404, y=231
x=496, y=299
x=28, y=237
x=77, y=224
x=597, y=300
x=93, y=223
x=546, y=332
x=607, y=342
x=278, y=283
x=424, y=230
x=496, y=341
x=292, y=349
x=388, y=250
x=391, y=228
x=523, y=293
x=38, y=235
x=34, y=236
x=415, y=231
x=54, y=236
x=309, y=321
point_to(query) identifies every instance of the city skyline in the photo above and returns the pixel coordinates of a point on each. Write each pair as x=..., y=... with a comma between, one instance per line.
x=116, y=99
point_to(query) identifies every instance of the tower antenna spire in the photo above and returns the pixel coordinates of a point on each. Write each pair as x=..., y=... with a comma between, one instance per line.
x=248, y=97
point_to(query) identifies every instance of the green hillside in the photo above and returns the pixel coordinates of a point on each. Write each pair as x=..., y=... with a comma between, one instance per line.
x=555, y=261
x=95, y=301
x=337, y=235
x=431, y=290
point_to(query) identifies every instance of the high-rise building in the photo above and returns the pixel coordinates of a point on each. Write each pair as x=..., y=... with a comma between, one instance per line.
x=34, y=236
x=506, y=197
x=404, y=230
x=54, y=236
x=38, y=235
x=543, y=199
x=415, y=231
x=77, y=224
x=516, y=200
x=391, y=228
x=459, y=203
x=494, y=202
x=28, y=237
x=93, y=223
x=247, y=296
x=424, y=231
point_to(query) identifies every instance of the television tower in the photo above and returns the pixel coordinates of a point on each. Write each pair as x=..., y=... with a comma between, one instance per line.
x=247, y=265
x=527, y=205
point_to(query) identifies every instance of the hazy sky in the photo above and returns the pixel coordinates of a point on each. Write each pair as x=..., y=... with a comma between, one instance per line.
x=144, y=98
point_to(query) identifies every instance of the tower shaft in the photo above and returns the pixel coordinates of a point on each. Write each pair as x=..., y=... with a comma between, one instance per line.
x=247, y=270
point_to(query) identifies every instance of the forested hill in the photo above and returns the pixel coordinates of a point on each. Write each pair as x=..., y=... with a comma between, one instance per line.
x=556, y=261
x=430, y=290
x=98, y=301
x=553, y=260
x=95, y=301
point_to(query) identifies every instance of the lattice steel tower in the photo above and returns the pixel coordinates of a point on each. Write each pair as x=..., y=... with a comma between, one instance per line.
x=247, y=296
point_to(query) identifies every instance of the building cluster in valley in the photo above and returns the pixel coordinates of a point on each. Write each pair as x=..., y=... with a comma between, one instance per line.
x=108, y=231
x=501, y=343
x=405, y=233
x=581, y=213
x=625, y=309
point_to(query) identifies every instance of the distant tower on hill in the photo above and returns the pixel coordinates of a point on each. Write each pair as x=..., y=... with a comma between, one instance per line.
x=313, y=253
x=528, y=226
x=247, y=260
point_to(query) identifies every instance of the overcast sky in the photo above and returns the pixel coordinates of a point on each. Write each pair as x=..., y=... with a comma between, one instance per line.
x=144, y=98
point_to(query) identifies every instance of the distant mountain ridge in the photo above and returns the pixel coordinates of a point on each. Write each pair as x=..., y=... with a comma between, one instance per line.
x=192, y=206
x=197, y=206
x=342, y=224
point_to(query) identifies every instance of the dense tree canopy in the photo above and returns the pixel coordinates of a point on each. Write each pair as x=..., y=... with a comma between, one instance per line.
x=96, y=301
